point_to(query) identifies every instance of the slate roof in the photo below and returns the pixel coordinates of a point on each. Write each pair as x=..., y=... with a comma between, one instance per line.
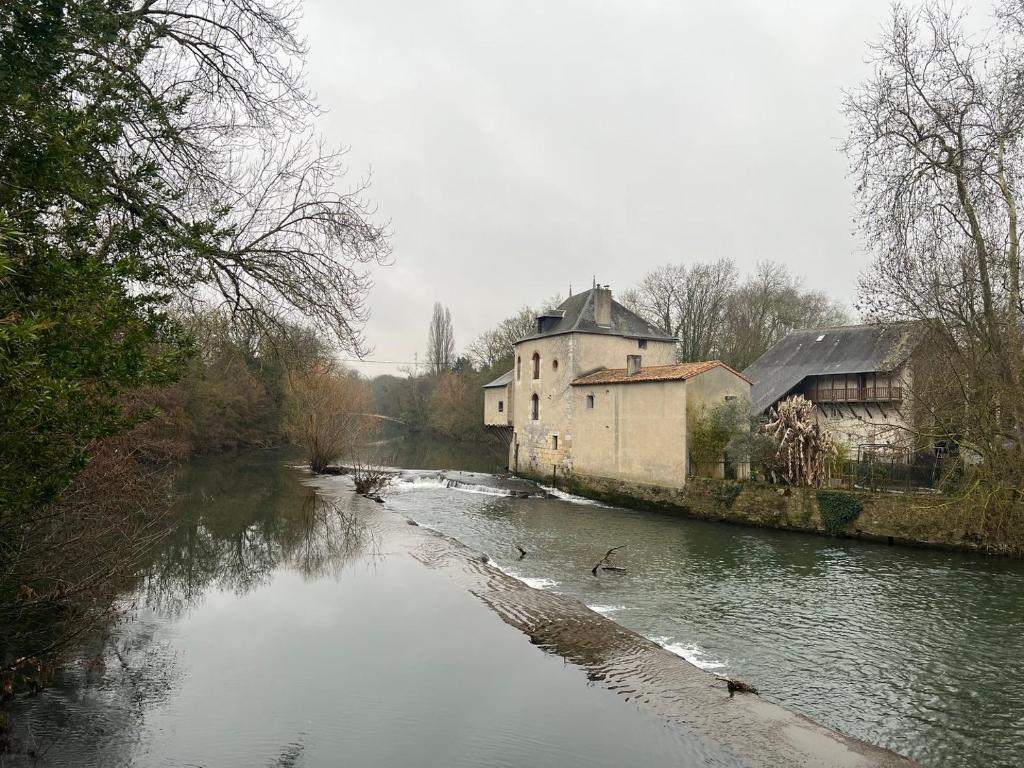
x=845, y=349
x=501, y=381
x=578, y=317
x=680, y=372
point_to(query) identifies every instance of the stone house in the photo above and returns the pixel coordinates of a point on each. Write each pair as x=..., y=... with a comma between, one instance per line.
x=860, y=378
x=596, y=391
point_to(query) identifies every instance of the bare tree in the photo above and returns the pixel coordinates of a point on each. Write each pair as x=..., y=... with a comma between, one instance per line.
x=767, y=306
x=704, y=299
x=658, y=297
x=936, y=145
x=715, y=318
x=250, y=208
x=328, y=412
x=687, y=302
x=494, y=347
x=441, y=341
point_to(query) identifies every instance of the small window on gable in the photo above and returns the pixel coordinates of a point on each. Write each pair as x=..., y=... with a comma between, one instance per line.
x=641, y=343
x=554, y=442
x=590, y=401
x=501, y=406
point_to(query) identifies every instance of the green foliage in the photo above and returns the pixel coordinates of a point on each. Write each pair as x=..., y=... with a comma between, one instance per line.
x=838, y=509
x=728, y=492
x=840, y=459
x=719, y=432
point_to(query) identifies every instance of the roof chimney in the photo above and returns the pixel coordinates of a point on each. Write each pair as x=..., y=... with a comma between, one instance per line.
x=632, y=364
x=603, y=306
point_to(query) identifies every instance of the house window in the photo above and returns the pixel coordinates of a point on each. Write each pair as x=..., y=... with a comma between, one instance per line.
x=590, y=401
x=730, y=398
x=641, y=343
x=501, y=406
x=554, y=442
x=554, y=365
x=536, y=365
x=519, y=367
x=535, y=407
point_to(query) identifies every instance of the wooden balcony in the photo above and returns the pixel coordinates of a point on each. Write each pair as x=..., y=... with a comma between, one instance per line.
x=885, y=394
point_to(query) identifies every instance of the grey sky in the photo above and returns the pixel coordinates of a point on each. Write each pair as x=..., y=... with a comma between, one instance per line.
x=520, y=147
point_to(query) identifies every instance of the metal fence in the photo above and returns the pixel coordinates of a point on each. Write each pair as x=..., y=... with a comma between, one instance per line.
x=896, y=473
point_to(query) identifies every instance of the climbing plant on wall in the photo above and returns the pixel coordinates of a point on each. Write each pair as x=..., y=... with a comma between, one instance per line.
x=838, y=509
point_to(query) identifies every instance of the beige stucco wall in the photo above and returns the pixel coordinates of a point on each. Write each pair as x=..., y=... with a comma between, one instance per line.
x=591, y=351
x=533, y=443
x=635, y=432
x=492, y=397
x=709, y=389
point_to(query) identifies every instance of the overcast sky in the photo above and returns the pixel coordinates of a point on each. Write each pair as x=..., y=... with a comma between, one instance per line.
x=520, y=147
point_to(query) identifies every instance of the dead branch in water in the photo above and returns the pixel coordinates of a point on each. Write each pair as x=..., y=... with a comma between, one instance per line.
x=603, y=563
x=737, y=686
x=522, y=552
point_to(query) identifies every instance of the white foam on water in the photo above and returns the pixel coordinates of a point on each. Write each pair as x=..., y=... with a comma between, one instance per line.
x=571, y=498
x=692, y=653
x=604, y=610
x=436, y=481
x=484, y=490
x=537, y=582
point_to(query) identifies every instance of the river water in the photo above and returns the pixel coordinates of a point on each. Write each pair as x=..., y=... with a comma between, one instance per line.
x=271, y=630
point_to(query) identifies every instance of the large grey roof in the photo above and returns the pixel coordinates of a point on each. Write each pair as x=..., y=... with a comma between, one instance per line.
x=578, y=317
x=501, y=381
x=847, y=349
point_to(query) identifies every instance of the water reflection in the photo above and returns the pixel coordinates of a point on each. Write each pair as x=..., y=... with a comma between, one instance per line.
x=271, y=630
x=238, y=525
x=237, y=528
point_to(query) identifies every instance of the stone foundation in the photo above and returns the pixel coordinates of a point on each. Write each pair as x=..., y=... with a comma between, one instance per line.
x=912, y=519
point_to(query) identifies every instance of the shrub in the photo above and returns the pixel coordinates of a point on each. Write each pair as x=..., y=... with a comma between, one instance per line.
x=370, y=480
x=328, y=412
x=838, y=509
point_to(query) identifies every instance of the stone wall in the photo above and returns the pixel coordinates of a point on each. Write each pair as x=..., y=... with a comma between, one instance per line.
x=922, y=520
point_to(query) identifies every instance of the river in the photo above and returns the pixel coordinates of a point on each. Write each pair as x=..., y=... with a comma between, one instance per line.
x=266, y=632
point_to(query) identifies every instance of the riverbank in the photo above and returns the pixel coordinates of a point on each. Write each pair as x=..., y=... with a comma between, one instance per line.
x=747, y=728
x=928, y=520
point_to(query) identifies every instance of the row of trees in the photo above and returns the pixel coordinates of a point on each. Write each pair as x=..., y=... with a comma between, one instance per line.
x=718, y=315
x=447, y=399
x=157, y=157
x=153, y=151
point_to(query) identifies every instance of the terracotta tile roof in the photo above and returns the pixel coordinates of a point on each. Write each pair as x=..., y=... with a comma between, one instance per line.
x=680, y=372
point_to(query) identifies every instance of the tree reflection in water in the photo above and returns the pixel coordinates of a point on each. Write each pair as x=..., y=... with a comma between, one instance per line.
x=239, y=519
